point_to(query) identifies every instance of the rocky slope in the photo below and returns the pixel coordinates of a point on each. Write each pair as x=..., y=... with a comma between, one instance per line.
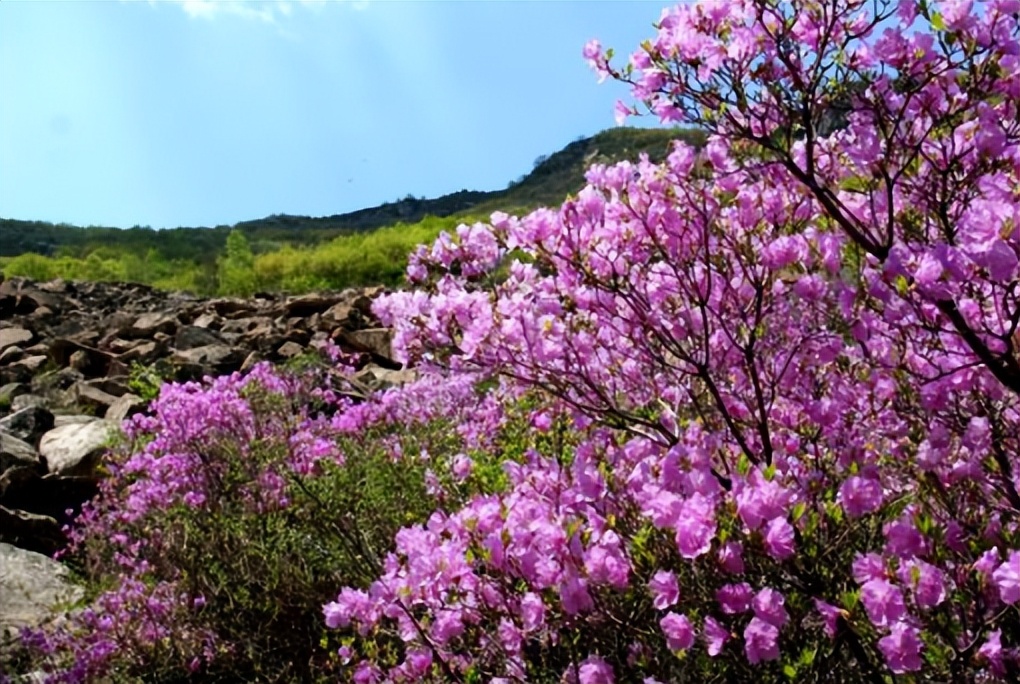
x=75, y=359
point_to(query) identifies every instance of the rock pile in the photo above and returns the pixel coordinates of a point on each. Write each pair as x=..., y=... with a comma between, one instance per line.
x=75, y=358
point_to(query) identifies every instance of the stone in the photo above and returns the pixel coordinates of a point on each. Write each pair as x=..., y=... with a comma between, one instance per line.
x=28, y=424
x=30, y=531
x=289, y=350
x=149, y=324
x=11, y=391
x=208, y=320
x=124, y=407
x=23, y=401
x=89, y=361
x=10, y=337
x=309, y=304
x=76, y=449
x=16, y=452
x=192, y=336
x=36, y=589
x=219, y=359
x=11, y=355
x=23, y=370
x=88, y=396
x=59, y=497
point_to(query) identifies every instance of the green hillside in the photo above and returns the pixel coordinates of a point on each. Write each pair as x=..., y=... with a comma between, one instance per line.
x=299, y=252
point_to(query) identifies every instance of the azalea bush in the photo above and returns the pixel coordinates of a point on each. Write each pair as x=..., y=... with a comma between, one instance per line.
x=238, y=504
x=788, y=367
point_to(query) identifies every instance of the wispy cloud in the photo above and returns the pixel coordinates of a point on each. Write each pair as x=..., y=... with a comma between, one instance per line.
x=267, y=11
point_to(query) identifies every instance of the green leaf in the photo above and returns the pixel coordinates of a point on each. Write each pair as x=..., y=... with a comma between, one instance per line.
x=790, y=671
x=937, y=22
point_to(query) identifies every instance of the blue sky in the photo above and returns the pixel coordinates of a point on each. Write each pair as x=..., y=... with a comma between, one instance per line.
x=205, y=113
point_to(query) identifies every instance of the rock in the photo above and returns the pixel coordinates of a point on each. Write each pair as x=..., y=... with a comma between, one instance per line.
x=23, y=370
x=250, y=360
x=11, y=355
x=192, y=337
x=16, y=452
x=61, y=498
x=124, y=407
x=116, y=385
x=144, y=352
x=89, y=361
x=28, y=424
x=289, y=350
x=57, y=380
x=75, y=449
x=376, y=378
x=35, y=589
x=309, y=304
x=39, y=533
x=11, y=391
x=208, y=320
x=373, y=341
x=149, y=324
x=88, y=396
x=219, y=359
x=10, y=337
x=74, y=419
x=23, y=401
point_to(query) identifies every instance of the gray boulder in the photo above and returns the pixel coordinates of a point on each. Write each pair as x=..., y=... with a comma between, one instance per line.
x=75, y=449
x=35, y=589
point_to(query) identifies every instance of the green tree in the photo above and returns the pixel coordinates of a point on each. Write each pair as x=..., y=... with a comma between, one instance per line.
x=236, y=269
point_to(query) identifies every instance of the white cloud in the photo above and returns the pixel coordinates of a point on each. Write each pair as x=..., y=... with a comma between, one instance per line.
x=267, y=11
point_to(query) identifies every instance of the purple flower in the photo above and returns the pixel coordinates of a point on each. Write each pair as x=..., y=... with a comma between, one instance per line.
x=715, y=636
x=883, y=602
x=860, y=495
x=665, y=591
x=595, y=670
x=695, y=527
x=734, y=598
x=1007, y=578
x=761, y=641
x=678, y=630
x=769, y=605
x=731, y=558
x=902, y=648
x=779, y=538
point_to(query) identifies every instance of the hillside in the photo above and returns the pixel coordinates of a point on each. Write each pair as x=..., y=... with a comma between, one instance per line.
x=553, y=178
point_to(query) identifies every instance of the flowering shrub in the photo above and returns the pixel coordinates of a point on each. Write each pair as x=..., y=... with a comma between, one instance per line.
x=787, y=368
x=237, y=506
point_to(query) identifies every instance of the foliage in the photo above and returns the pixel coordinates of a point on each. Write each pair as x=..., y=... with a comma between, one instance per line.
x=235, y=272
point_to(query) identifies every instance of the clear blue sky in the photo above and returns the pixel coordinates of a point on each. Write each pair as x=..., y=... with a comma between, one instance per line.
x=204, y=113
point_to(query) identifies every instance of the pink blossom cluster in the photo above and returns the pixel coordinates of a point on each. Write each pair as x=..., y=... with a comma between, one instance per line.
x=789, y=364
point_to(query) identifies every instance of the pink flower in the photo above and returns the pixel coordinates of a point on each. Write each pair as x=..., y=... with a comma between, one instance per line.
x=734, y=598
x=831, y=614
x=532, y=611
x=1007, y=578
x=731, y=558
x=902, y=648
x=761, y=641
x=991, y=652
x=860, y=495
x=769, y=605
x=779, y=538
x=928, y=582
x=678, y=630
x=715, y=636
x=665, y=591
x=595, y=670
x=695, y=527
x=883, y=602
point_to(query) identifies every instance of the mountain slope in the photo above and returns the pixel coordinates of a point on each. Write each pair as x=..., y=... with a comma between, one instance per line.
x=553, y=178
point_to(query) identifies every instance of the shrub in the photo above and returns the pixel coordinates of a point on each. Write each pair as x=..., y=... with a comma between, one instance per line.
x=789, y=364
